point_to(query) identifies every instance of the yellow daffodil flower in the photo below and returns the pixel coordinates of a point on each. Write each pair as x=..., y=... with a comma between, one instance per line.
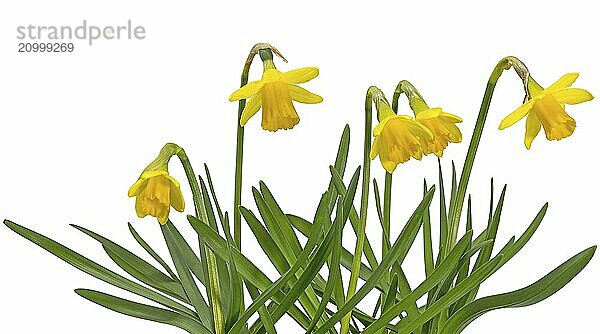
x=546, y=107
x=443, y=127
x=397, y=138
x=274, y=93
x=156, y=191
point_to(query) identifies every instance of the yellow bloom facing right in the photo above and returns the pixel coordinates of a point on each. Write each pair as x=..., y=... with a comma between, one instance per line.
x=274, y=92
x=546, y=108
x=397, y=138
x=444, y=129
x=155, y=190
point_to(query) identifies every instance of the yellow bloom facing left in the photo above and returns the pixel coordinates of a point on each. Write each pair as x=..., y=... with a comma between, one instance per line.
x=546, y=108
x=274, y=93
x=397, y=139
x=443, y=127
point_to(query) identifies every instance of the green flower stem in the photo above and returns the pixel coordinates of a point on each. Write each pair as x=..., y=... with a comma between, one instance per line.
x=385, y=236
x=266, y=53
x=211, y=261
x=372, y=93
x=239, y=159
x=457, y=205
x=387, y=208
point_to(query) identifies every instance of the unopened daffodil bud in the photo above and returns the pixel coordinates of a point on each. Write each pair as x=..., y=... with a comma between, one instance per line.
x=155, y=190
x=274, y=93
x=397, y=137
x=546, y=108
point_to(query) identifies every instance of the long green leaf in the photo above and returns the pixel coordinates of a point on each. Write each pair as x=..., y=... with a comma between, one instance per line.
x=245, y=267
x=236, y=296
x=187, y=281
x=265, y=317
x=283, y=235
x=138, y=267
x=265, y=241
x=275, y=287
x=491, y=232
x=303, y=226
x=439, y=274
x=151, y=251
x=341, y=160
x=354, y=219
x=396, y=253
x=94, y=269
x=534, y=293
x=321, y=253
x=334, y=276
x=453, y=295
x=143, y=311
x=285, y=226
x=427, y=241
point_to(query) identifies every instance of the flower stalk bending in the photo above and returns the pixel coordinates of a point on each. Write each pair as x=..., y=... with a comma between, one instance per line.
x=456, y=206
x=266, y=51
x=373, y=95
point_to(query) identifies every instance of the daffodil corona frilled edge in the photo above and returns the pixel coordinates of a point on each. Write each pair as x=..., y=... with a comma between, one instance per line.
x=156, y=191
x=400, y=137
x=274, y=93
x=546, y=108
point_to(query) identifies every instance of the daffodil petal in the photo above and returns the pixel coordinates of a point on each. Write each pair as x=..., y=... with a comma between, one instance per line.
x=139, y=207
x=300, y=75
x=251, y=109
x=418, y=129
x=388, y=165
x=451, y=118
x=137, y=187
x=177, y=201
x=162, y=218
x=375, y=148
x=302, y=95
x=428, y=113
x=153, y=172
x=565, y=81
x=248, y=90
x=455, y=134
x=516, y=115
x=573, y=96
x=532, y=128
x=379, y=128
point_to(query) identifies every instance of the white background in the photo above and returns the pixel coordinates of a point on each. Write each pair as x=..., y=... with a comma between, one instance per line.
x=76, y=129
